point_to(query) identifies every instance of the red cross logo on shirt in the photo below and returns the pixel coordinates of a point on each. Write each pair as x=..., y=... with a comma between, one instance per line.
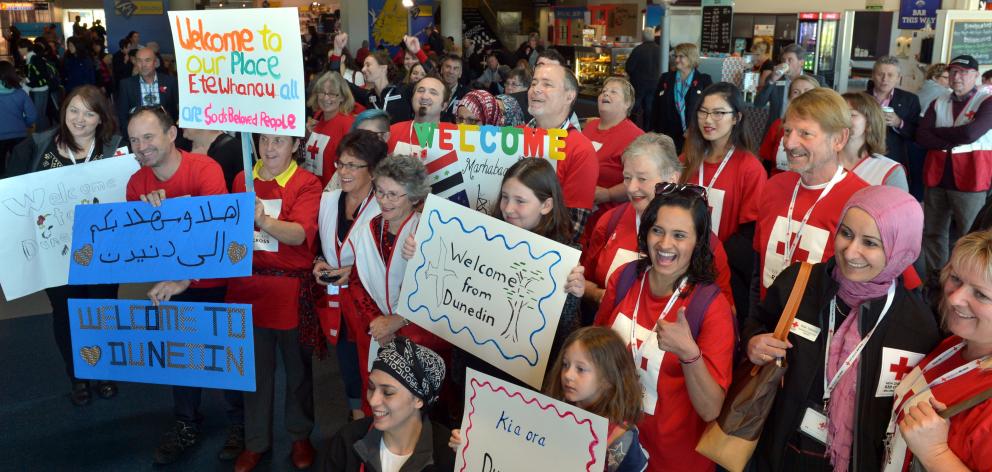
x=795, y=325
x=800, y=254
x=634, y=348
x=313, y=149
x=901, y=368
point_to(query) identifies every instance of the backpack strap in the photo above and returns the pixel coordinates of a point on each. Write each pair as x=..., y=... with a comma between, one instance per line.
x=699, y=302
x=628, y=275
x=611, y=225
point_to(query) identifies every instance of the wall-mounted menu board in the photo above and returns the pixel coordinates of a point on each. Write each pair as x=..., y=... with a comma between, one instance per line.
x=972, y=37
x=717, y=21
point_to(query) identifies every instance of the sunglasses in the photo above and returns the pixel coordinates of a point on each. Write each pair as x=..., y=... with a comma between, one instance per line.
x=685, y=190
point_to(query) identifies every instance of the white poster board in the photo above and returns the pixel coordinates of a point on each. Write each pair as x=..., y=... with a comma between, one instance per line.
x=240, y=70
x=36, y=214
x=488, y=287
x=506, y=427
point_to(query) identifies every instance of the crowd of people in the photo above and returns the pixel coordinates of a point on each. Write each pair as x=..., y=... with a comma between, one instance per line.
x=692, y=239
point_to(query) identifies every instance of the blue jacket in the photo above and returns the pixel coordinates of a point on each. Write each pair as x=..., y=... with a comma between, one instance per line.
x=17, y=113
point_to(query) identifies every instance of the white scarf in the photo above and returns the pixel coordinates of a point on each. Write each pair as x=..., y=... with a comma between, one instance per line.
x=373, y=270
x=327, y=222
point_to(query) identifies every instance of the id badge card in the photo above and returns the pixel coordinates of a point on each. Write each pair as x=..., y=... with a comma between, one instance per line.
x=814, y=425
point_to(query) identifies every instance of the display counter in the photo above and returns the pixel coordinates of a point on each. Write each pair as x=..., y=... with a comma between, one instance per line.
x=594, y=64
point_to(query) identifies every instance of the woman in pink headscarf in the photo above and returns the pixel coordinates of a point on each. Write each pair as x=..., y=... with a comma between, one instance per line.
x=480, y=107
x=857, y=333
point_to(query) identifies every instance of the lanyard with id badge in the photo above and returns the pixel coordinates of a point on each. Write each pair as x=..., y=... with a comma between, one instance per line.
x=814, y=422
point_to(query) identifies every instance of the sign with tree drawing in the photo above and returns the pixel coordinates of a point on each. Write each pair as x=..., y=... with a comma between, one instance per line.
x=488, y=287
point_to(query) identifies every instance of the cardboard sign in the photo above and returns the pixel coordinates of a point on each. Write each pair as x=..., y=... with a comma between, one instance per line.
x=192, y=344
x=36, y=214
x=241, y=75
x=185, y=238
x=488, y=287
x=506, y=427
x=482, y=154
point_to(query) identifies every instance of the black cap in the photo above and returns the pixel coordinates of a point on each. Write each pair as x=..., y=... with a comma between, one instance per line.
x=964, y=61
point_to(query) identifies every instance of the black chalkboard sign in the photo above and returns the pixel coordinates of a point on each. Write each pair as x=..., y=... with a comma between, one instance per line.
x=973, y=38
x=717, y=22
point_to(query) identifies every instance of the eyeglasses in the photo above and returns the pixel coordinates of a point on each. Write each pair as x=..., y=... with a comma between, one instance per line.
x=388, y=196
x=689, y=190
x=717, y=115
x=328, y=94
x=349, y=166
x=151, y=108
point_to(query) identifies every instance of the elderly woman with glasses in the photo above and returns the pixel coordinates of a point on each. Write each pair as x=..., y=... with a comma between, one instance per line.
x=332, y=105
x=374, y=283
x=678, y=325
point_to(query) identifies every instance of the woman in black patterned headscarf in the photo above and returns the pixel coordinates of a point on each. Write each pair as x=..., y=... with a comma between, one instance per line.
x=404, y=383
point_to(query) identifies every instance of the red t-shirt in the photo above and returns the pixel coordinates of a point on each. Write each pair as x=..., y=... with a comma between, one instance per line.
x=402, y=132
x=605, y=253
x=609, y=145
x=735, y=194
x=320, y=152
x=816, y=243
x=578, y=172
x=670, y=427
x=769, y=145
x=197, y=176
x=970, y=434
x=275, y=298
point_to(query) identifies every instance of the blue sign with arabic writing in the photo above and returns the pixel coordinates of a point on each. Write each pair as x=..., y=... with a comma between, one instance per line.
x=175, y=343
x=915, y=14
x=185, y=238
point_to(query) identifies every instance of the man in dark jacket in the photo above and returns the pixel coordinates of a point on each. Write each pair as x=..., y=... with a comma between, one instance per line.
x=148, y=88
x=644, y=67
x=902, y=114
x=776, y=87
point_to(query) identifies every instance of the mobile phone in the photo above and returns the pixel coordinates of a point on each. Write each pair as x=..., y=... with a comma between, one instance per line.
x=328, y=278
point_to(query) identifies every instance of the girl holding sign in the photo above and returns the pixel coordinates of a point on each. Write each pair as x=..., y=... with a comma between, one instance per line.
x=280, y=291
x=676, y=324
x=341, y=213
x=594, y=372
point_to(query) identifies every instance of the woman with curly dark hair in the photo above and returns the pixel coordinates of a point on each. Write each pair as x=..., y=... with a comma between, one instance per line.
x=677, y=325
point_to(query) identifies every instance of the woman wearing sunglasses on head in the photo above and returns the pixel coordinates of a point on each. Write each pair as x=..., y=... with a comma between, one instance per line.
x=858, y=331
x=679, y=327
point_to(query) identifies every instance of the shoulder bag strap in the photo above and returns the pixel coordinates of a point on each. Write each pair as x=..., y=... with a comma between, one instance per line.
x=792, y=306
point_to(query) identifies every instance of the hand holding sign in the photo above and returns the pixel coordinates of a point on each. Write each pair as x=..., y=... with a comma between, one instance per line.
x=165, y=290
x=575, y=284
x=924, y=430
x=154, y=198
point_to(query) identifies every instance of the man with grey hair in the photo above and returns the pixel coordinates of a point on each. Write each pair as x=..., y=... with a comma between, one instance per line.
x=776, y=86
x=644, y=67
x=550, y=99
x=147, y=88
x=902, y=113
